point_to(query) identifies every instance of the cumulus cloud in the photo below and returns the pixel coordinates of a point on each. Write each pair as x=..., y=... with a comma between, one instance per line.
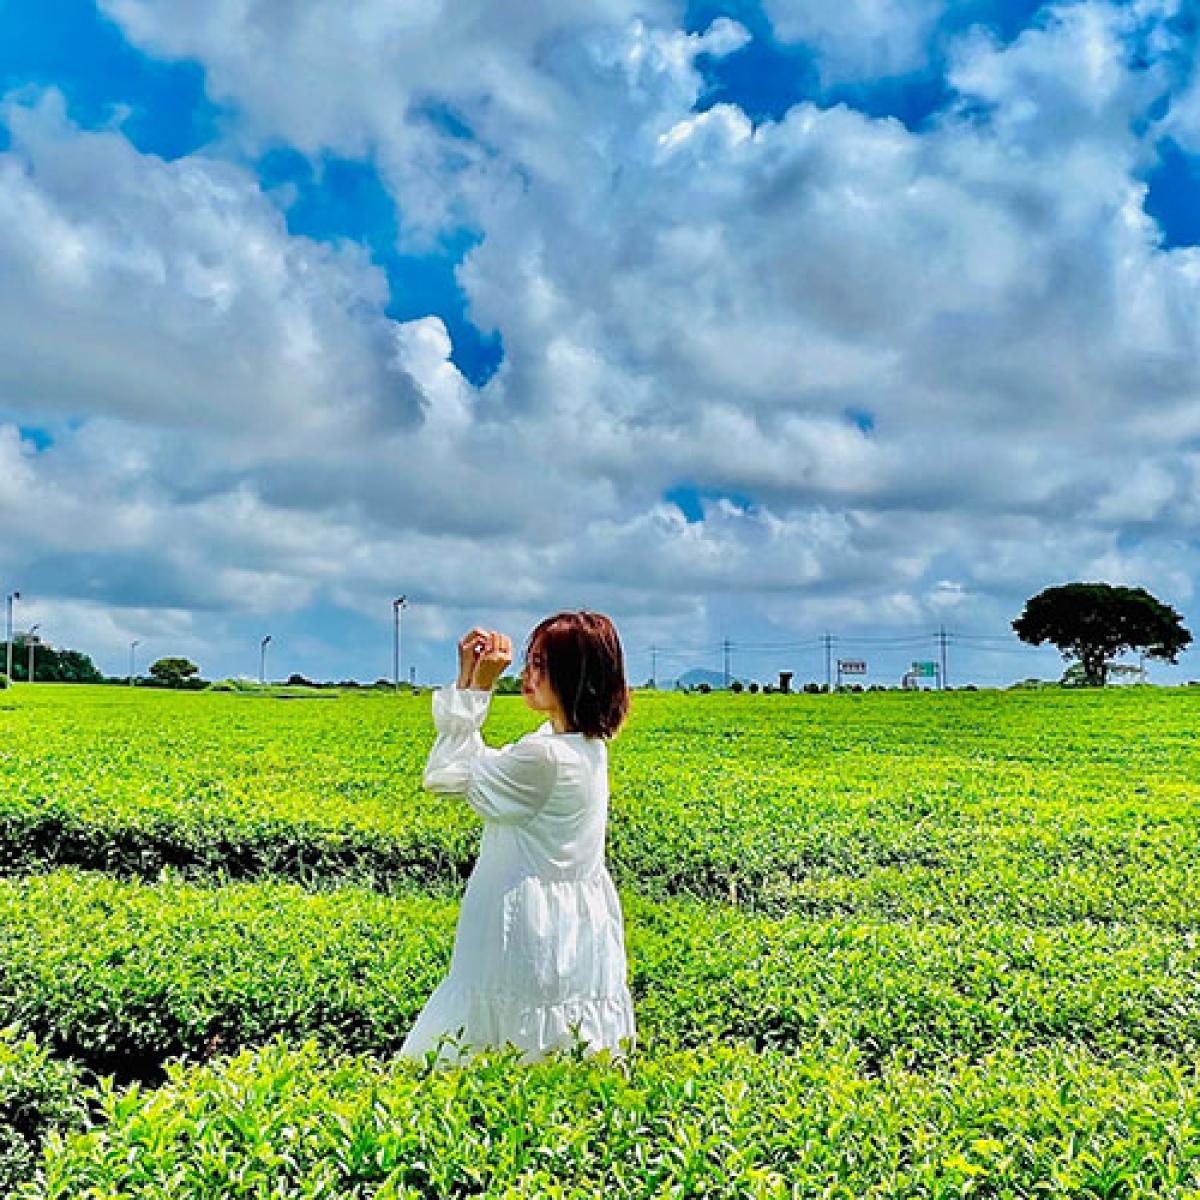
x=680, y=295
x=859, y=39
x=180, y=295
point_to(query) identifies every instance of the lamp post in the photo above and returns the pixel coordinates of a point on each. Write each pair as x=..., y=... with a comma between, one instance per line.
x=262, y=662
x=132, y=647
x=397, y=608
x=8, y=632
x=31, y=638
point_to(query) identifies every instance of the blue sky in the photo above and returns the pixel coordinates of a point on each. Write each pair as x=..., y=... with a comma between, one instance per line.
x=653, y=309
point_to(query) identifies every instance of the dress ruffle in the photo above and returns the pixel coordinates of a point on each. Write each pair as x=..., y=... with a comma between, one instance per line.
x=459, y=1021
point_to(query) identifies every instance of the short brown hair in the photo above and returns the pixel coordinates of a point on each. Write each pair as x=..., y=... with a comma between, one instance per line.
x=586, y=668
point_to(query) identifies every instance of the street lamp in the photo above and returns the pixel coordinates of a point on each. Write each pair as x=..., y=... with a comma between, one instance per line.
x=132, y=647
x=8, y=632
x=262, y=662
x=397, y=608
x=31, y=638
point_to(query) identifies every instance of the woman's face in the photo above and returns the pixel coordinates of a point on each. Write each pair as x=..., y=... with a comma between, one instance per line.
x=535, y=683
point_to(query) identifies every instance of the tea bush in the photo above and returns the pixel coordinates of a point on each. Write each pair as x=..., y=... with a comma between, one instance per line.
x=37, y=1093
x=150, y=973
x=884, y=944
x=720, y=1122
x=1059, y=806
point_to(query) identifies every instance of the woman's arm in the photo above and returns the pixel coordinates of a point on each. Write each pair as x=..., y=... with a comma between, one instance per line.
x=508, y=785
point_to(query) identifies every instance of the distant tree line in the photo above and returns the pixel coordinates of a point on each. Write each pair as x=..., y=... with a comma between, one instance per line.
x=49, y=664
x=1090, y=623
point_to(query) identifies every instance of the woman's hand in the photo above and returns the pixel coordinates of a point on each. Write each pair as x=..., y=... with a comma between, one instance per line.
x=490, y=664
x=470, y=647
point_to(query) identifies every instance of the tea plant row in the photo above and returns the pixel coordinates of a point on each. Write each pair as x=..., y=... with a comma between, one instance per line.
x=293, y=1123
x=148, y=973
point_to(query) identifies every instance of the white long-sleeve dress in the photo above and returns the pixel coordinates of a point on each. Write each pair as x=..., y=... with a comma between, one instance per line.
x=539, y=951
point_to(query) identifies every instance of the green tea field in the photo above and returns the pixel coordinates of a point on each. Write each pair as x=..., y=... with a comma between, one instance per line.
x=880, y=945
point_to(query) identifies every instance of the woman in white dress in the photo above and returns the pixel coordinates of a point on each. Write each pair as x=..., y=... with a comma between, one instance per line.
x=539, y=952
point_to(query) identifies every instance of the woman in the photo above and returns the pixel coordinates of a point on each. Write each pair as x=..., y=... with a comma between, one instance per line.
x=539, y=953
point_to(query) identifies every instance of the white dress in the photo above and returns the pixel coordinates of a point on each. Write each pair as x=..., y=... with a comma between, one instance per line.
x=539, y=951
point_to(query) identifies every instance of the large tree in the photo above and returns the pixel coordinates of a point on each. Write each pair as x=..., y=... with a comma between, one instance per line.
x=1094, y=622
x=173, y=672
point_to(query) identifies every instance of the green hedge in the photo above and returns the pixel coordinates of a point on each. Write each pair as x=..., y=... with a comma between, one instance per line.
x=151, y=972
x=1052, y=808
x=37, y=1093
x=142, y=845
x=725, y=1122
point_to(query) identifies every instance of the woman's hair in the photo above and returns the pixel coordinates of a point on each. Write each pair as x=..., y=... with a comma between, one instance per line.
x=583, y=659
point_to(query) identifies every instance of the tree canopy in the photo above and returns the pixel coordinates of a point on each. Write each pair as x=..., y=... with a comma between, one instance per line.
x=173, y=672
x=1095, y=622
x=51, y=665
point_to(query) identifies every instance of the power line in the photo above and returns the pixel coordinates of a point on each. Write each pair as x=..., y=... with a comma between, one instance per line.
x=1023, y=650
x=939, y=640
x=981, y=637
x=903, y=641
x=777, y=645
x=662, y=653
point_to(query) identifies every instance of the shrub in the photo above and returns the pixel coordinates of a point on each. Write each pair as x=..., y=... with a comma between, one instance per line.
x=37, y=1094
x=736, y=686
x=3, y=681
x=721, y=1122
x=154, y=972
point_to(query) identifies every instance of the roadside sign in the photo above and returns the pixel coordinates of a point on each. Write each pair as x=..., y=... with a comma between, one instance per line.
x=925, y=670
x=852, y=666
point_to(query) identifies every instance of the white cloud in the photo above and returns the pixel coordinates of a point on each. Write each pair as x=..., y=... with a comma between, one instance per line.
x=681, y=296
x=171, y=294
x=859, y=39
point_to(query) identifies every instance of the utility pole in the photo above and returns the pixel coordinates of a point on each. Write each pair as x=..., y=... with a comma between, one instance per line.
x=262, y=660
x=725, y=645
x=828, y=640
x=942, y=643
x=132, y=647
x=397, y=606
x=8, y=632
x=654, y=667
x=31, y=638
